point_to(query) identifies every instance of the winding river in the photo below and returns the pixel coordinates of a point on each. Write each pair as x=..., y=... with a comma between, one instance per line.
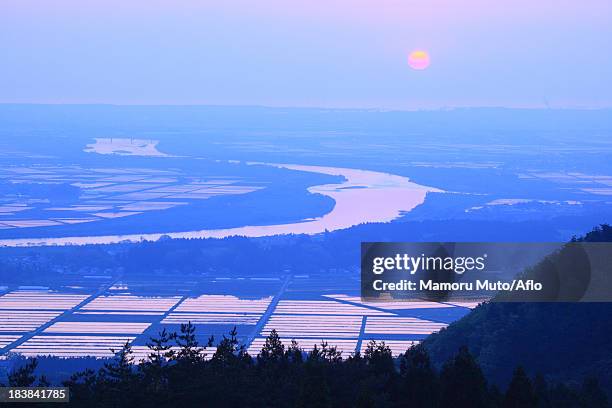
x=363, y=197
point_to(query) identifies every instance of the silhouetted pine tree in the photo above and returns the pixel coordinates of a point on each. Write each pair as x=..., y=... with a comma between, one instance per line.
x=117, y=378
x=228, y=350
x=43, y=381
x=291, y=376
x=154, y=371
x=121, y=367
x=378, y=378
x=24, y=375
x=325, y=353
x=314, y=389
x=540, y=390
x=231, y=368
x=275, y=390
x=83, y=387
x=520, y=392
x=561, y=396
x=294, y=353
x=419, y=383
x=592, y=394
x=496, y=398
x=273, y=351
x=189, y=351
x=161, y=348
x=462, y=384
x=379, y=358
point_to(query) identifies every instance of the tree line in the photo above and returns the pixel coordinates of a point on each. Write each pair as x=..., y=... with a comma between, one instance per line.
x=179, y=373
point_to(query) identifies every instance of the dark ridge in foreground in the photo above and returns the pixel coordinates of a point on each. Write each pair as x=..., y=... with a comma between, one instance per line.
x=562, y=341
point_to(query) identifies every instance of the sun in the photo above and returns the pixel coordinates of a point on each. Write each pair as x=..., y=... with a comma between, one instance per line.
x=418, y=60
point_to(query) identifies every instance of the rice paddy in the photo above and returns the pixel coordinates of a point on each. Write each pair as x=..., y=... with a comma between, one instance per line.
x=97, y=328
x=18, y=321
x=347, y=347
x=105, y=194
x=212, y=318
x=324, y=307
x=397, y=346
x=401, y=325
x=132, y=303
x=39, y=300
x=387, y=305
x=224, y=303
x=294, y=326
x=72, y=346
x=63, y=323
x=5, y=339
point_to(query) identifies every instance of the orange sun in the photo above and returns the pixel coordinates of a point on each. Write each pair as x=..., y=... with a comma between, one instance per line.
x=418, y=60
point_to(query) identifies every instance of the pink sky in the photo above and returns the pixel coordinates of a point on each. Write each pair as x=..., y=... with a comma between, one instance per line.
x=328, y=53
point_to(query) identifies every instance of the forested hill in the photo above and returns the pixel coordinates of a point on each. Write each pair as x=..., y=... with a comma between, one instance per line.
x=562, y=341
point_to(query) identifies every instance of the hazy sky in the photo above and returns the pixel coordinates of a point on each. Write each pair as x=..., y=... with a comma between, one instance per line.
x=336, y=53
